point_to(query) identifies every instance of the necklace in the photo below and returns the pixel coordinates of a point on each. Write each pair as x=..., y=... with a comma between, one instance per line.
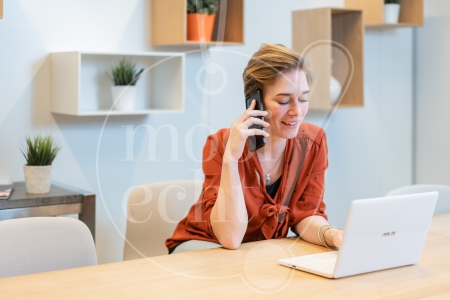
x=267, y=177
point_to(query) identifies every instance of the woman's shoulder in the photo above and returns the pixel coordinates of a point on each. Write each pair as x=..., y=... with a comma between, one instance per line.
x=216, y=142
x=219, y=137
x=312, y=132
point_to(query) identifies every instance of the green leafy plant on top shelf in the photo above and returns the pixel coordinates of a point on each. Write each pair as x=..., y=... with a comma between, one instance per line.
x=202, y=6
x=40, y=150
x=392, y=1
x=125, y=73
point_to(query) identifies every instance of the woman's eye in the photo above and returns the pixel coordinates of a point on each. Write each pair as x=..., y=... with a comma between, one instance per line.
x=303, y=100
x=284, y=101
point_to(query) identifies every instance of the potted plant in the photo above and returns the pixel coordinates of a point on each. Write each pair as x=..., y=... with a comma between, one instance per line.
x=391, y=11
x=200, y=19
x=39, y=153
x=124, y=75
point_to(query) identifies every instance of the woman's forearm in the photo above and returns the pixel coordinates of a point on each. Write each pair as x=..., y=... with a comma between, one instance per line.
x=308, y=228
x=229, y=214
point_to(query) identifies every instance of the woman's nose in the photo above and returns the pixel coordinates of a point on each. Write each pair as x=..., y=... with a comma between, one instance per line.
x=295, y=109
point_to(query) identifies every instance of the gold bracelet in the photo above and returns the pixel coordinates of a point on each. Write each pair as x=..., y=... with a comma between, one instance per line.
x=318, y=233
x=324, y=242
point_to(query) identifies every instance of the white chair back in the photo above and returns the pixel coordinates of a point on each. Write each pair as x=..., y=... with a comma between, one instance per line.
x=443, y=203
x=154, y=211
x=42, y=244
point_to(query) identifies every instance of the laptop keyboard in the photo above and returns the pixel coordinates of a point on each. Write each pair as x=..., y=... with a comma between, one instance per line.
x=325, y=265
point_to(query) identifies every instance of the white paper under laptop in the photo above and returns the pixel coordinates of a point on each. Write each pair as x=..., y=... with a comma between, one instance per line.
x=380, y=233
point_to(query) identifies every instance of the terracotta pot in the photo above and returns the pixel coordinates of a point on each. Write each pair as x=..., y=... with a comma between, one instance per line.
x=200, y=27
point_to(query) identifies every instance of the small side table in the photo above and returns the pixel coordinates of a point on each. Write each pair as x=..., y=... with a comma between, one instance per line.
x=61, y=200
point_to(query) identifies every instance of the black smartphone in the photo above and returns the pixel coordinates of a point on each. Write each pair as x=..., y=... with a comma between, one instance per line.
x=256, y=141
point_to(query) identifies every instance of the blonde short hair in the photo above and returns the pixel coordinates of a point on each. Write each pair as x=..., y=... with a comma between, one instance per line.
x=268, y=63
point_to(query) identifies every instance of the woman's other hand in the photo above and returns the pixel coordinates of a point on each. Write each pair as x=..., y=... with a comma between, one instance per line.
x=239, y=130
x=335, y=235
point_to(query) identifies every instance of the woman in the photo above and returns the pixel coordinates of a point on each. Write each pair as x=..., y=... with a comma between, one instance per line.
x=250, y=196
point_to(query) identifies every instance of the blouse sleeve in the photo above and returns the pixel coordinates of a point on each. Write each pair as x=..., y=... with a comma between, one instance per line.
x=212, y=168
x=310, y=202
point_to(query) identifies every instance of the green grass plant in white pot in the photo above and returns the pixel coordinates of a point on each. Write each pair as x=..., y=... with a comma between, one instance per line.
x=391, y=11
x=39, y=153
x=124, y=75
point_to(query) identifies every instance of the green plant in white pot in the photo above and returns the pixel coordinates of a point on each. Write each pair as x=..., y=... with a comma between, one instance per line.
x=124, y=75
x=391, y=11
x=39, y=153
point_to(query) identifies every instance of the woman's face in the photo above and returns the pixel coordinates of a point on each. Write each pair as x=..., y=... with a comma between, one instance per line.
x=287, y=103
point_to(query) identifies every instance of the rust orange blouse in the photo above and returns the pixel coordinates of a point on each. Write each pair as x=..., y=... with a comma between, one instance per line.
x=268, y=218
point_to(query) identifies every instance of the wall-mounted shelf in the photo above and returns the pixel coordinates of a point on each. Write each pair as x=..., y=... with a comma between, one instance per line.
x=169, y=23
x=80, y=84
x=318, y=34
x=411, y=13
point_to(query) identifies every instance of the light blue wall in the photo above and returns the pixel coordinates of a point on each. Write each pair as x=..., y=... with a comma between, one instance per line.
x=370, y=148
x=432, y=101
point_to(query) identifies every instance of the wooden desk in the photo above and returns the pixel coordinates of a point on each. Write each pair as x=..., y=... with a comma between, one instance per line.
x=251, y=272
x=61, y=200
x=440, y=225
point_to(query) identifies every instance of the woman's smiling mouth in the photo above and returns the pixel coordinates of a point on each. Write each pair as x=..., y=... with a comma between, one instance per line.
x=290, y=124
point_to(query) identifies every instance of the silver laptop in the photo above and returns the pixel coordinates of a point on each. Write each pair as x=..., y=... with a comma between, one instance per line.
x=380, y=233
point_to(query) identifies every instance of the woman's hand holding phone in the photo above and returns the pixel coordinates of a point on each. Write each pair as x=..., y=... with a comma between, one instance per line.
x=239, y=131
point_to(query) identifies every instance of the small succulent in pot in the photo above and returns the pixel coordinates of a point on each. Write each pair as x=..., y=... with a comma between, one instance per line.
x=40, y=150
x=201, y=15
x=39, y=153
x=125, y=73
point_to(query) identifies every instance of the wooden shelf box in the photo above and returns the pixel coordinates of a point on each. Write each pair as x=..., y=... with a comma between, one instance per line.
x=81, y=86
x=411, y=13
x=169, y=23
x=331, y=38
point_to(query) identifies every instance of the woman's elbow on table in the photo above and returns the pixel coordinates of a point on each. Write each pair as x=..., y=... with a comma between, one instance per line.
x=230, y=244
x=229, y=241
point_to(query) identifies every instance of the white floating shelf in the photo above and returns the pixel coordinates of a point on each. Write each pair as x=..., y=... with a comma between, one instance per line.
x=81, y=85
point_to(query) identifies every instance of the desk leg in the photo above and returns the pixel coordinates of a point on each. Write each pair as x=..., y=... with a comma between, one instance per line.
x=87, y=214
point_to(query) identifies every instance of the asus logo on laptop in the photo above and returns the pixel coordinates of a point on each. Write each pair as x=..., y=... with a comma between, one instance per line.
x=388, y=234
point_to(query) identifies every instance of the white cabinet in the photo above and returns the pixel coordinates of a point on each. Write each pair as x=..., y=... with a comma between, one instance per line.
x=81, y=86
